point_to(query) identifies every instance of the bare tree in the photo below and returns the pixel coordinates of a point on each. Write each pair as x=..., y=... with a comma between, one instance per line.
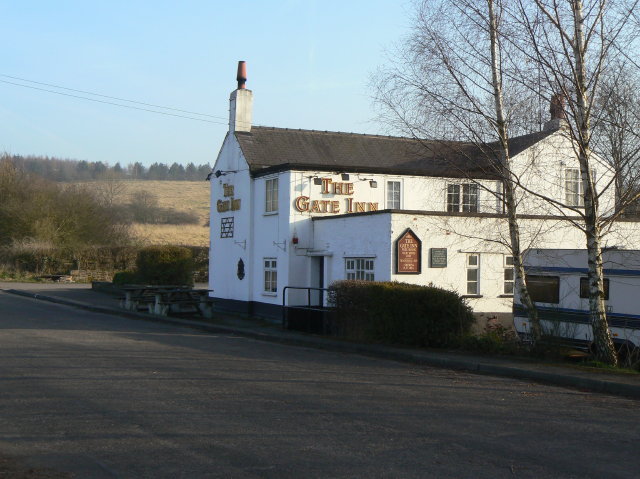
x=448, y=83
x=468, y=69
x=616, y=134
x=576, y=45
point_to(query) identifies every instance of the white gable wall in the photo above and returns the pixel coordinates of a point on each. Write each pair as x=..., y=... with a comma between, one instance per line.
x=541, y=169
x=225, y=253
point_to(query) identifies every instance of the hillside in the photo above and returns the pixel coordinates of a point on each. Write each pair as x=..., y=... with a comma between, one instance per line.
x=189, y=196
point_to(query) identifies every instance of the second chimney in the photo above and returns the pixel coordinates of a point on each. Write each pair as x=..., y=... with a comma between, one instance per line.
x=558, y=115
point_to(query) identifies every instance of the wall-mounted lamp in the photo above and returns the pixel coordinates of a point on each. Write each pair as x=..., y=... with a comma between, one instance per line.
x=317, y=180
x=372, y=183
x=220, y=173
x=345, y=176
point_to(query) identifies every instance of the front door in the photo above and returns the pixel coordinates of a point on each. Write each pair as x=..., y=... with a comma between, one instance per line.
x=317, y=280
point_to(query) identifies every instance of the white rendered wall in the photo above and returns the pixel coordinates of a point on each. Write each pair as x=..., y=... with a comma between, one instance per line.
x=375, y=235
x=541, y=169
x=259, y=235
x=226, y=252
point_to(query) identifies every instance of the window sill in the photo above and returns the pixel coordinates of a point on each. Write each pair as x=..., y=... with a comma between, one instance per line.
x=266, y=293
x=505, y=296
x=270, y=213
x=471, y=296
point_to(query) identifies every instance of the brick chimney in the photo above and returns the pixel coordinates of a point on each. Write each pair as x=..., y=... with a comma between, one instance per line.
x=558, y=115
x=241, y=103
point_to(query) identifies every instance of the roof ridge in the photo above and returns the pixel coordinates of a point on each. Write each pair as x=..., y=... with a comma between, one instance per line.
x=542, y=134
x=333, y=132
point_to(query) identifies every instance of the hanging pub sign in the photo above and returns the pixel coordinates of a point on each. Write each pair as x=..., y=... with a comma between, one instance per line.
x=408, y=253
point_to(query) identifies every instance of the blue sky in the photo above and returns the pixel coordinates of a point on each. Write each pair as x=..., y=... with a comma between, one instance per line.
x=309, y=66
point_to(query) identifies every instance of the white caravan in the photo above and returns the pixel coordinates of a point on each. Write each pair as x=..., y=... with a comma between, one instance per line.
x=557, y=280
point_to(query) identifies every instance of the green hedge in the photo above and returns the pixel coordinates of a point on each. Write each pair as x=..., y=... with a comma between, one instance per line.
x=165, y=265
x=125, y=277
x=399, y=313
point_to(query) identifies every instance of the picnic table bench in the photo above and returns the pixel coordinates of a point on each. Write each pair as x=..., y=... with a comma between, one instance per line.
x=167, y=299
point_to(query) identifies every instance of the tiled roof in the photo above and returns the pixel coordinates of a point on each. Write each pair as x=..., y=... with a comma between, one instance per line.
x=270, y=149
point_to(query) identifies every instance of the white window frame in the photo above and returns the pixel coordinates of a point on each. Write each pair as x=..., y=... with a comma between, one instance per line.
x=573, y=187
x=270, y=268
x=470, y=190
x=473, y=269
x=394, y=194
x=509, y=275
x=271, y=195
x=362, y=269
x=460, y=195
x=573, y=190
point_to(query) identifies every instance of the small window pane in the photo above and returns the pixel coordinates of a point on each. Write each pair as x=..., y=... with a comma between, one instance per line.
x=359, y=268
x=453, y=198
x=393, y=195
x=271, y=195
x=584, y=288
x=544, y=289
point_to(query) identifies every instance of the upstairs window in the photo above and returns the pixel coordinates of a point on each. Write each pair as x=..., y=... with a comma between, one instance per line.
x=574, y=192
x=393, y=195
x=462, y=197
x=271, y=196
x=573, y=187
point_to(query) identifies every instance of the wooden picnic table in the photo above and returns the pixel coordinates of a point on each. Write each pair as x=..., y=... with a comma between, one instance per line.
x=166, y=299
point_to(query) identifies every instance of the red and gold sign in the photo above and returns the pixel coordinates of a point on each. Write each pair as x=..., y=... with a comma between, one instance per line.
x=408, y=253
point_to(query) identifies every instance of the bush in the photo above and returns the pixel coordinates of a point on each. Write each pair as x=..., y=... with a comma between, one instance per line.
x=165, y=265
x=400, y=313
x=125, y=277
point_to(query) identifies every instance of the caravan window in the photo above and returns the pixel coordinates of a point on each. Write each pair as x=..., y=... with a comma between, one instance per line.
x=544, y=289
x=584, y=288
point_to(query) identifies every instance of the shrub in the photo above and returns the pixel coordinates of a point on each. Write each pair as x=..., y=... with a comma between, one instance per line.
x=165, y=265
x=125, y=277
x=400, y=313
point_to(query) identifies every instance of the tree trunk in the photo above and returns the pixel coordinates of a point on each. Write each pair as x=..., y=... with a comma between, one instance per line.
x=605, y=350
x=507, y=177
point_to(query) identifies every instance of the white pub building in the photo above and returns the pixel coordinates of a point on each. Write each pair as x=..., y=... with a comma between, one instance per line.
x=303, y=208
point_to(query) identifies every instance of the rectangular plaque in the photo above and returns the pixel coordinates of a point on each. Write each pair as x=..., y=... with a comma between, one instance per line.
x=438, y=257
x=408, y=253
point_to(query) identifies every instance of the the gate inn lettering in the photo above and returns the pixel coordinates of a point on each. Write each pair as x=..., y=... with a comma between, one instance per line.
x=329, y=187
x=230, y=204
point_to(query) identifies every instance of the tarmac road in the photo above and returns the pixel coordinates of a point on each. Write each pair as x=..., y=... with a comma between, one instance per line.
x=104, y=396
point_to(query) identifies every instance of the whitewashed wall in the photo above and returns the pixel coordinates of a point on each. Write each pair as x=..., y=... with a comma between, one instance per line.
x=225, y=253
x=375, y=235
x=541, y=169
x=259, y=235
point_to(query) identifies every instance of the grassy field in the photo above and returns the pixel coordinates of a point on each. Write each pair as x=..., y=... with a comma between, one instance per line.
x=191, y=196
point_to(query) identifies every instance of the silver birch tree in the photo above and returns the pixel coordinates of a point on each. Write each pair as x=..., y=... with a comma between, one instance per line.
x=575, y=44
x=447, y=82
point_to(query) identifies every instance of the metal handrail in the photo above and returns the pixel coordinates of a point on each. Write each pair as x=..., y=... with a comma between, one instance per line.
x=284, y=299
